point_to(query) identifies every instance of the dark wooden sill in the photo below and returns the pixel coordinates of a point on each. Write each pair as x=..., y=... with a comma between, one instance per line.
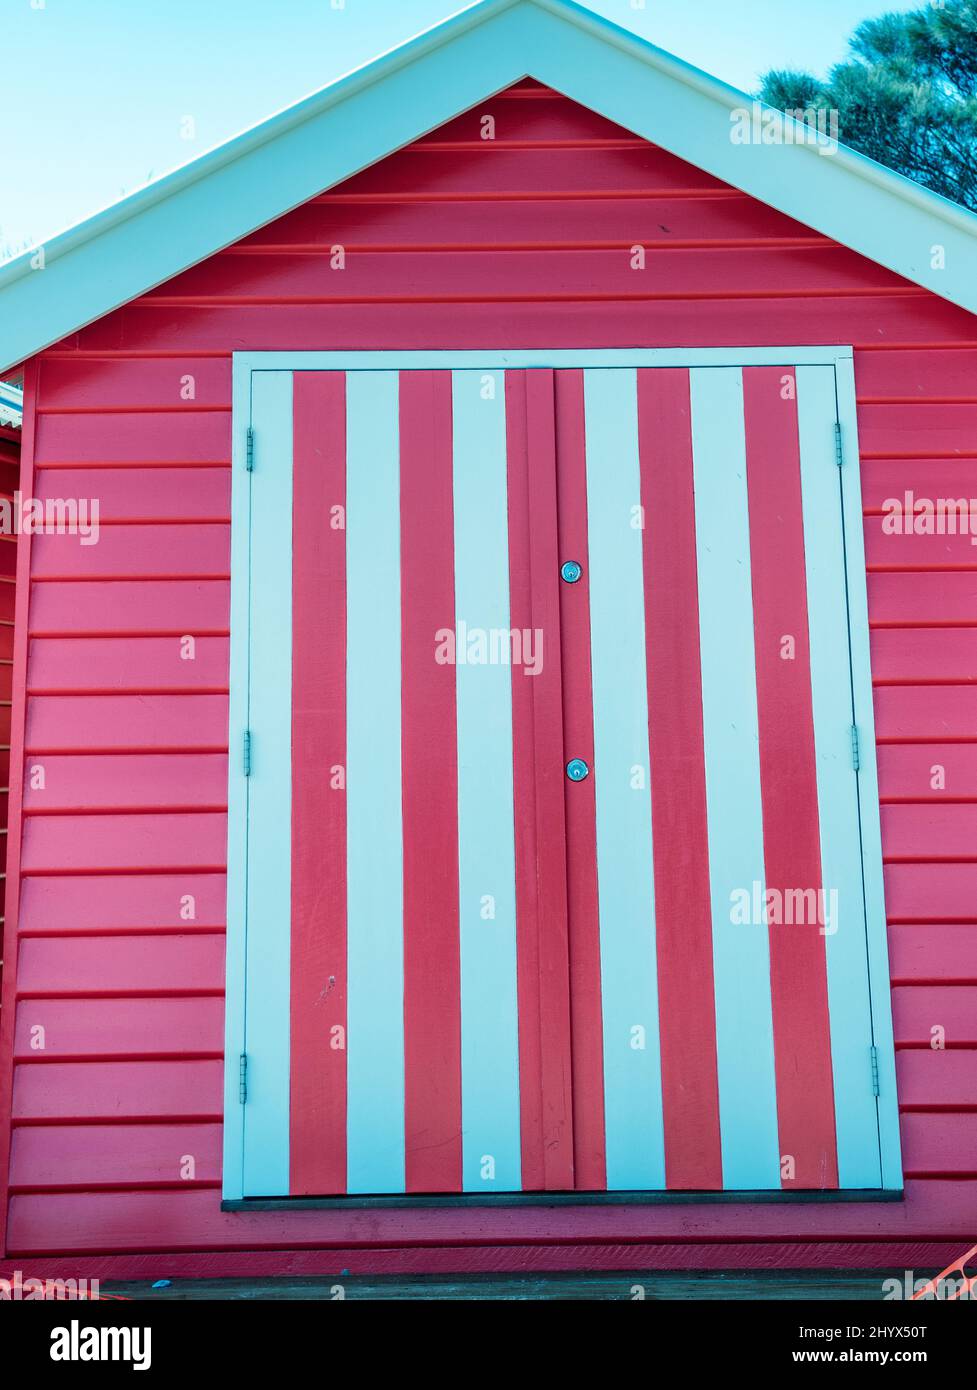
x=558, y=1199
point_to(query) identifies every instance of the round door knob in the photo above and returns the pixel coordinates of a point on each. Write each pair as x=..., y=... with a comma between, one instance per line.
x=577, y=769
x=571, y=571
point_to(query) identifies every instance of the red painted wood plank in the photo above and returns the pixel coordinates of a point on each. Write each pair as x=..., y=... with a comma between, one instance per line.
x=143, y=723
x=534, y=172
x=913, y=713
x=126, y=782
x=136, y=552
x=925, y=599
x=939, y=1145
x=8, y=557
x=928, y=772
x=88, y=1157
x=111, y=665
x=916, y=552
x=118, y=1091
x=933, y=832
x=189, y=1220
x=144, y=494
x=144, y=843
x=935, y=1079
x=931, y=892
x=683, y=914
x=471, y=276
x=134, y=438
x=317, y=1109
x=540, y=116
x=918, y=1010
x=729, y=322
x=113, y=903
x=586, y=1017
x=495, y=1260
x=596, y=221
x=542, y=946
x=82, y=1029
x=432, y=964
x=69, y=384
x=936, y=372
x=918, y=428
x=915, y=655
x=187, y=964
x=886, y=481
x=923, y=954
x=199, y=607
x=791, y=832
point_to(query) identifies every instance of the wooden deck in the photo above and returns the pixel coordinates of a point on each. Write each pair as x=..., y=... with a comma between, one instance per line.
x=847, y=1285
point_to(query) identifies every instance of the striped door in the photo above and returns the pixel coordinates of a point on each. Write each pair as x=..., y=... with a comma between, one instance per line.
x=554, y=878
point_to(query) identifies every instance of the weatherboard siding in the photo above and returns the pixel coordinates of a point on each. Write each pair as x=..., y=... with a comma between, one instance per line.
x=9, y=482
x=525, y=241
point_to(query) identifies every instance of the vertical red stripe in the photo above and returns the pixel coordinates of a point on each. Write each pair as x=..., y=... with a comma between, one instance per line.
x=317, y=1126
x=586, y=1020
x=432, y=972
x=538, y=778
x=683, y=911
x=788, y=780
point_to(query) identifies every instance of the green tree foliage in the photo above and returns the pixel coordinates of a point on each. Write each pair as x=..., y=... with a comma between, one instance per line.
x=907, y=95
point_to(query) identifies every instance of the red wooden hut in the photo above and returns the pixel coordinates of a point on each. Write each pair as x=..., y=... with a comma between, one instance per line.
x=529, y=622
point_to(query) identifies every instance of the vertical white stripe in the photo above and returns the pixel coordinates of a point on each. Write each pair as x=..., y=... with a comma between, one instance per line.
x=856, y=1121
x=491, y=1151
x=375, y=950
x=634, y=1131
x=269, y=870
x=741, y=953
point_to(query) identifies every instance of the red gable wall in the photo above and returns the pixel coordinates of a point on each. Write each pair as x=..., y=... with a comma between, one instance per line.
x=454, y=242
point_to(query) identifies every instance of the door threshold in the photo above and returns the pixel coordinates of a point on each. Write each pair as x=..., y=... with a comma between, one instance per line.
x=559, y=1199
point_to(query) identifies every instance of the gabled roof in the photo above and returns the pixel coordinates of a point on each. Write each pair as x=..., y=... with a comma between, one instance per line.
x=181, y=219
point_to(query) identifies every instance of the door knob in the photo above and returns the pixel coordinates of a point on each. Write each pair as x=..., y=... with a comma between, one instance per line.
x=577, y=769
x=571, y=571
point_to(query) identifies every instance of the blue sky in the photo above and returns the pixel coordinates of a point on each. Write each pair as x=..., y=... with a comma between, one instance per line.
x=94, y=94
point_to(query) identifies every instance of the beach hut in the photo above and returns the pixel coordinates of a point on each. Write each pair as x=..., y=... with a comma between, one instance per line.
x=493, y=770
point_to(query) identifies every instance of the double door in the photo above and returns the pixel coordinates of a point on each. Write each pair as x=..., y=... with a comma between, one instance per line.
x=552, y=864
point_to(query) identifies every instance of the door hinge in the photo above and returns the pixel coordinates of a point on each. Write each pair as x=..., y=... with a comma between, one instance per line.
x=249, y=450
x=856, y=761
x=873, y=1054
x=242, y=1090
x=247, y=753
x=839, y=451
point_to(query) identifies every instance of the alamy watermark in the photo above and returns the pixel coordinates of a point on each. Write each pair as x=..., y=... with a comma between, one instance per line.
x=764, y=125
x=784, y=907
x=462, y=645
x=910, y=515
x=17, y=1289
x=50, y=516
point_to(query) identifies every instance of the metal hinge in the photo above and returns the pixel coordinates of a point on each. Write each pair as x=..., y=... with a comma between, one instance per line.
x=873, y=1053
x=247, y=752
x=242, y=1090
x=249, y=450
x=856, y=761
x=839, y=452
